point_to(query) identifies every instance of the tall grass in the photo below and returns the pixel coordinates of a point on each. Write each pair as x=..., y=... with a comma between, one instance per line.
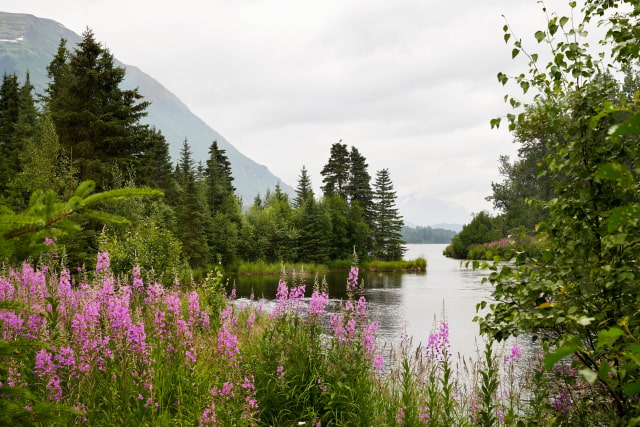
x=126, y=352
x=277, y=268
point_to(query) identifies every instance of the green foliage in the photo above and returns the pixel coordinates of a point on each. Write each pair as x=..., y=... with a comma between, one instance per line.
x=23, y=233
x=505, y=249
x=483, y=228
x=580, y=294
x=45, y=166
x=148, y=245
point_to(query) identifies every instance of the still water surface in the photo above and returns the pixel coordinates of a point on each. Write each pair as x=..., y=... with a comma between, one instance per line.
x=407, y=302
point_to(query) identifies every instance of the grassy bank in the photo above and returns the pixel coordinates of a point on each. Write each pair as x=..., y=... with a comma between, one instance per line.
x=264, y=268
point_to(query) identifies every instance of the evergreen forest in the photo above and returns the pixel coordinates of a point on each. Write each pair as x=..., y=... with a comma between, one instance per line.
x=86, y=128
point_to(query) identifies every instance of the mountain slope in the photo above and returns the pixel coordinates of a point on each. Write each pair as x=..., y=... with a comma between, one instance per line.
x=28, y=43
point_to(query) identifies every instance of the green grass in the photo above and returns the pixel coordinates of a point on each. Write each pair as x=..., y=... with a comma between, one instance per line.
x=266, y=268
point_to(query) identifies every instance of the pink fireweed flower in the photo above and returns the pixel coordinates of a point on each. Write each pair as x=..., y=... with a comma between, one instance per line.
x=369, y=337
x=400, y=415
x=173, y=302
x=424, y=414
x=280, y=379
x=352, y=281
x=250, y=406
x=228, y=344
x=208, y=417
x=102, y=264
x=336, y=320
x=378, y=364
x=7, y=290
x=317, y=305
x=515, y=354
x=138, y=285
x=438, y=344
x=251, y=319
x=289, y=300
x=154, y=293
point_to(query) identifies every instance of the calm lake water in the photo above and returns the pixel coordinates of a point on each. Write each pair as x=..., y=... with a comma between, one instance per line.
x=407, y=302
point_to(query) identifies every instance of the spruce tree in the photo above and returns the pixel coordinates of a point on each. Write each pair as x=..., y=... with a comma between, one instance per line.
x=25, y=126
x=336, y=172
x=155, y=165
x=9, y=115
x=359, y=184
x=312, y=242
x=387, y=232
x=304, y=190
x=360, y=202
x=221, y=192
x=191, y=212
x=95, y=119
x=224, y=206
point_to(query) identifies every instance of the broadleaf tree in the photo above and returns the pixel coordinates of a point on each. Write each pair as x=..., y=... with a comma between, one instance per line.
x=580, y=296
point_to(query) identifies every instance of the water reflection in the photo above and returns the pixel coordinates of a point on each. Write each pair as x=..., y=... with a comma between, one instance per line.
x=408, y=302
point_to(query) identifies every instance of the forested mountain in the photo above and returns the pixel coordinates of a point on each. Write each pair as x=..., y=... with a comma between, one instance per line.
x=28, y=43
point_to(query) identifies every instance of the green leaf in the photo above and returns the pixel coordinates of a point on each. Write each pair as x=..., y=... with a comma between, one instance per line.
x=540, y=35
x=495, y=123
x=629, y=126
x=608, y=337
x=563, y=21
x=589, y=375
x=551, y=358
x=631, y=389
x=515, y=52
x=614, y=171
x=553, y=26
x=629, y=214
x=502, y=78
x=585, y=321
x=507, y=36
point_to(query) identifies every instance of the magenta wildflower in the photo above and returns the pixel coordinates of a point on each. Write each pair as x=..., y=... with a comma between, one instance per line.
x=138, y=285
x=352, y=281
x=424, y=414
x=438, y=344
x=208, y=417
x=514, y=356
x=400, y=415
x=317, y=305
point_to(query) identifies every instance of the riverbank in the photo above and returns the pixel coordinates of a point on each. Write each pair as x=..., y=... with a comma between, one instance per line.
x=264, y=268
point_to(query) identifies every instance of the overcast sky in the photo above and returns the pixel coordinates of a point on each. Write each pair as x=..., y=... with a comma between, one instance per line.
x=410, y=83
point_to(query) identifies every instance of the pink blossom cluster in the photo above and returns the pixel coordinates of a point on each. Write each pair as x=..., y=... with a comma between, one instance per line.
x=288, y=300
x=438, y=345
x=98, y=325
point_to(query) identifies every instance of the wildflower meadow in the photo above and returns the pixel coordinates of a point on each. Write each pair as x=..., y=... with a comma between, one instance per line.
x=104, y=350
